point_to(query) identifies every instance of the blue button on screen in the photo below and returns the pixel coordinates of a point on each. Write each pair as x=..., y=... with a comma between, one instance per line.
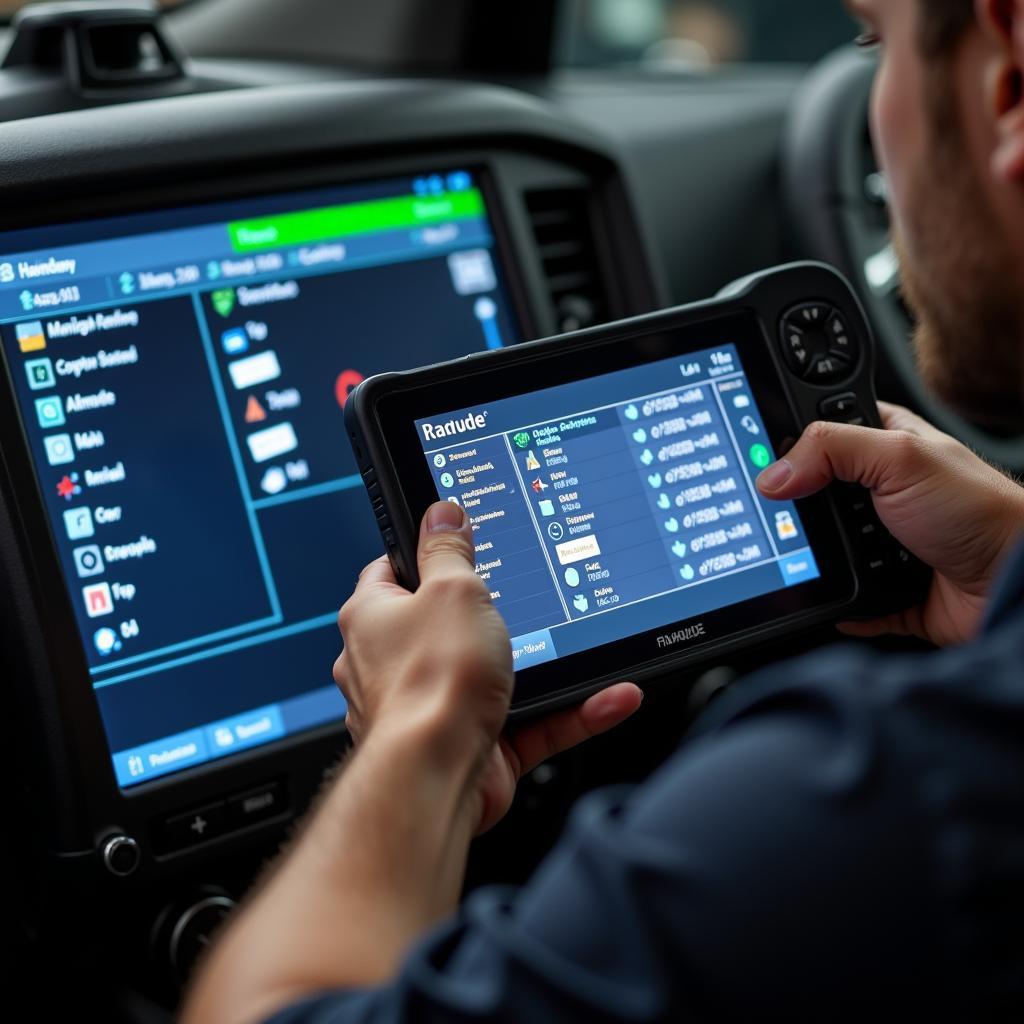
x=533, y=649
x=799, y=568
x=243, y=731
x=170, y=754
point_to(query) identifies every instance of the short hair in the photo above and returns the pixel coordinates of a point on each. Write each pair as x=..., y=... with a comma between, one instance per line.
x=943, y=23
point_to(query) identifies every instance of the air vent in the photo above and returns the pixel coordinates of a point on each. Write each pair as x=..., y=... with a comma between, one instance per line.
x=565, y=241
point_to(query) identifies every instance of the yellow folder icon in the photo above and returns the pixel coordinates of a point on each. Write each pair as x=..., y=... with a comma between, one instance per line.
x=30, y=336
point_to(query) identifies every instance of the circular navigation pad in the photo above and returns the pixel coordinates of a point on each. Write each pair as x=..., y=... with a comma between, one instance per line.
x=817, y=344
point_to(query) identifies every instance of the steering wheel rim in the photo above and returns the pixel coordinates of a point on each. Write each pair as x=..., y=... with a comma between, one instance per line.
x=834, y=200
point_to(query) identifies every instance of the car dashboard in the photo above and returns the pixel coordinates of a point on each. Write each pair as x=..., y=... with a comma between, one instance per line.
x=190, y=287
x=200, y=257
x=196, y=269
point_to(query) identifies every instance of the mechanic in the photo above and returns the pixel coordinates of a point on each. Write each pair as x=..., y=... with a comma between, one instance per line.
x=845, y=835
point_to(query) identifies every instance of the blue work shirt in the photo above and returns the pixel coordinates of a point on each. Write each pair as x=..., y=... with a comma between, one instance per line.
x=843, y=839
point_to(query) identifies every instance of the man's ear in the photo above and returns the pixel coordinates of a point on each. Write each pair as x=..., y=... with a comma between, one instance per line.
x=1003, y=23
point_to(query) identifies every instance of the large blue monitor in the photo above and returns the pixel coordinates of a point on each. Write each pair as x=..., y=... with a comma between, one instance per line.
x=180, y=378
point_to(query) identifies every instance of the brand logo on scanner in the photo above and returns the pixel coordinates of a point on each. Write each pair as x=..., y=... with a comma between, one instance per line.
x=435, y=431
x=682, y=636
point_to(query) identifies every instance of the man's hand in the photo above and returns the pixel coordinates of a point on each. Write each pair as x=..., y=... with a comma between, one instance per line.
x=436, y=667
x=428, y=677
x=942, y=502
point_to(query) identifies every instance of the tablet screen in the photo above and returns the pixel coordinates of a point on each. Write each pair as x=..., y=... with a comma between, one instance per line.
x=607, y=507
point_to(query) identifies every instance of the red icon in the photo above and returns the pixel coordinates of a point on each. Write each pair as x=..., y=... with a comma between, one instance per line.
x=98, y=600
x=68, y=487
x=344, y=385
x=539, y=486
x=254, y=412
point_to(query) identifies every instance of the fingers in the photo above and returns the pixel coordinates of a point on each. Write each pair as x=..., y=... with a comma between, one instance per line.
x=895, y=417
x=906, y=623
x=446, y=543
x=837, y=451
x=378, y=571
x=825, y=452
x=536, y=743
x=376, y=580
x=892, y=625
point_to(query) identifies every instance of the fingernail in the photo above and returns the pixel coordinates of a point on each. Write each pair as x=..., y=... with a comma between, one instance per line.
x=444, y=517
x=775, y=476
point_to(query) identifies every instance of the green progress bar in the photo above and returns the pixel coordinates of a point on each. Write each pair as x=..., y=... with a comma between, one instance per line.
x=332, y=222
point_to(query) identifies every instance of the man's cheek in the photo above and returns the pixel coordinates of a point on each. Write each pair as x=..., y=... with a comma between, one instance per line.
x=893, y=128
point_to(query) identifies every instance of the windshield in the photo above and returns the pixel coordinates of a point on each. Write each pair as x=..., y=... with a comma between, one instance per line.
x=702, y=33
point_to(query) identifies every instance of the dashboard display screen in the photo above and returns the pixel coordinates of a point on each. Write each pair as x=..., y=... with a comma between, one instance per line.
x=611, y=506
x=180, y=378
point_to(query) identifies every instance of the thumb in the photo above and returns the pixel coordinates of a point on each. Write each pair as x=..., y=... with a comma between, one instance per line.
x=876, y=459
x=446, y=542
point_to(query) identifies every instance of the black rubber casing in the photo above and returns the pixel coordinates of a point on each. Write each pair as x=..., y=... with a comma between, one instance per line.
x=870, y=574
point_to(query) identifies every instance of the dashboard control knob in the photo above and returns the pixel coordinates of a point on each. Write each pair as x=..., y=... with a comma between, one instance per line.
x=191, y=930
x=121, y=855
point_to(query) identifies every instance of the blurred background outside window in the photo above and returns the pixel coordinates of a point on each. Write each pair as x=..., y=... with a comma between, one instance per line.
x=683, y=34
x=694, y=34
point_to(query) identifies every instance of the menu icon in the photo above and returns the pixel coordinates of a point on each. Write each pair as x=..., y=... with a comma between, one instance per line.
x=235, y=341
x=223, y=301
x=98, y=600
x=59, y=450
x=50, y=411
x=88, y=560
x=78, y=523
x=30, y=336
x=40, y=374
x=272, y=442
x=254, y=412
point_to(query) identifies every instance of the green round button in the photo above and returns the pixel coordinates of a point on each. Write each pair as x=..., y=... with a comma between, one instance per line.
x=760, y=456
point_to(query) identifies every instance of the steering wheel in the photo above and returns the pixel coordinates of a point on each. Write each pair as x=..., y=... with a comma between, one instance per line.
x=837, y=202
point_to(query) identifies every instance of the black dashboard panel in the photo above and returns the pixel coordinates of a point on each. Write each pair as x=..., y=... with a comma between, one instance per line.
x=93, y=843
x=701, y=155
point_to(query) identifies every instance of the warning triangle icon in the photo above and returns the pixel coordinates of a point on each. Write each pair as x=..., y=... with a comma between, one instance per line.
x=254, y=412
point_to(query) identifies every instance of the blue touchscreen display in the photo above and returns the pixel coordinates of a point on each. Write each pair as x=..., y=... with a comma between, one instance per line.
x=181, y=378
x=611, y=506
